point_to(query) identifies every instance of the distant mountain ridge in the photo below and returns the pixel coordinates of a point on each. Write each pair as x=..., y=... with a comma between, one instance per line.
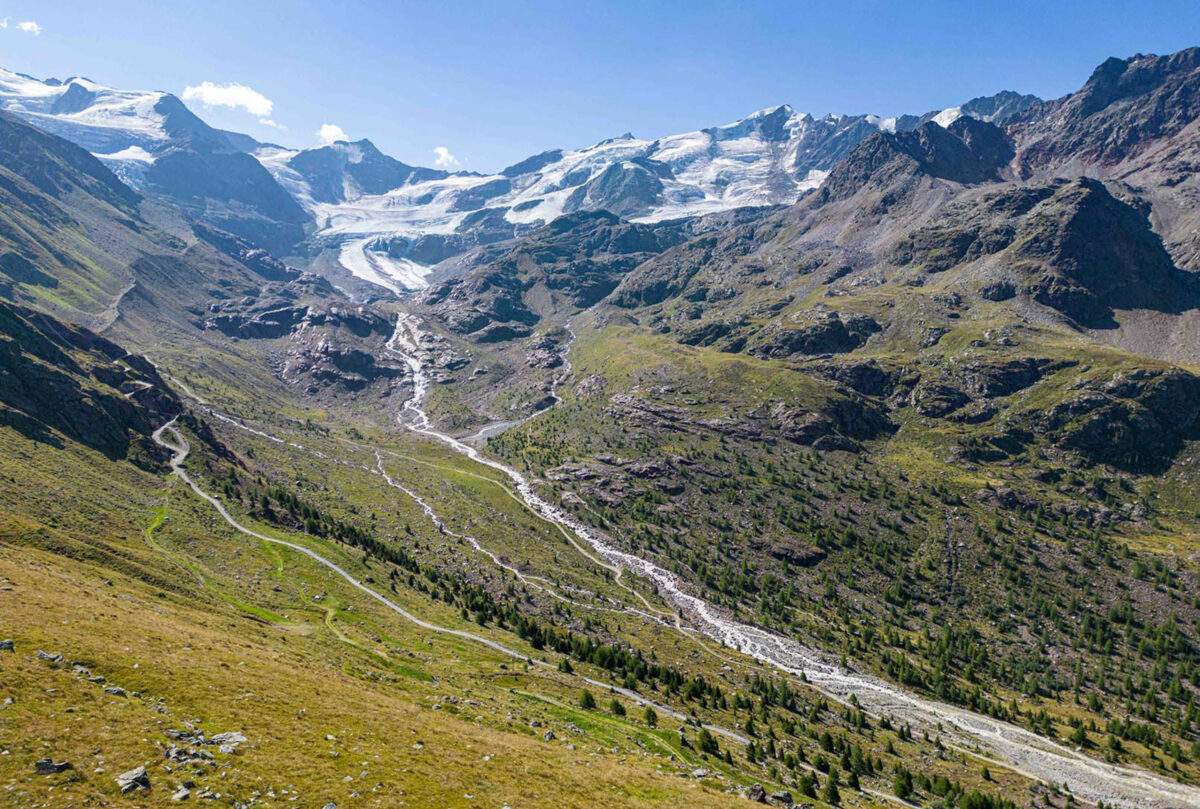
x=152, y=141
x=771, y=157
x=352, y=201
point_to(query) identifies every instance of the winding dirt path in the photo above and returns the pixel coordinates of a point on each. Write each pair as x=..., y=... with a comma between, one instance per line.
x=180, y=448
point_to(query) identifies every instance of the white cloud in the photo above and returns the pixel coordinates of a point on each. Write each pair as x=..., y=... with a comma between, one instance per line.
x=272, y=124
x=234, y=96
x=331, y=133
x=444, y=157
x=29, y=26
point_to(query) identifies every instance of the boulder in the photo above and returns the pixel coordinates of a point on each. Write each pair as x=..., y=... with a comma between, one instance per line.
x=231, y=738
x=133, y=780
x=48, y=766
x=756, y=793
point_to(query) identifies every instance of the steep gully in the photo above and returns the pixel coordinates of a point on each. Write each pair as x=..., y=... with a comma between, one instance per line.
x=1028, y=753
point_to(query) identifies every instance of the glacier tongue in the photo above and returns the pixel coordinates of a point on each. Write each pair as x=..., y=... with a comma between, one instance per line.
x=360, y=258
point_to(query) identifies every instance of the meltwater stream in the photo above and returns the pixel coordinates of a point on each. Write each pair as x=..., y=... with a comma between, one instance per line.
x=1026, y=752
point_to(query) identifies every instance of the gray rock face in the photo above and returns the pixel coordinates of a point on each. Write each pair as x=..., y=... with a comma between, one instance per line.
x=1123, y=108
x=48, y=766
x=831, y=334
x=968, y=151
x=756, y=793
x=935, y=400
x=1133, y=421
x=578, y=259
x=626, y=189
x=133, y=780
x=475, y=198
x=7, y=645
x=1070, y=245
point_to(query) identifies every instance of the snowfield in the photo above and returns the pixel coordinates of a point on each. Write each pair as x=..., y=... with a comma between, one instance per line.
x=115, y=125
x=771, y=157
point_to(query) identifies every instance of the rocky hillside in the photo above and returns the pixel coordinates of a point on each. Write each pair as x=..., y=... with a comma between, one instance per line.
x=60, y=380
x=933, y=420
x=927, y=397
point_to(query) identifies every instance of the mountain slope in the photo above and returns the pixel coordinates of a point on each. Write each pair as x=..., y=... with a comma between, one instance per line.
x=904, y=417
x=326, y=584
x=59, y=378
x=62, y=212
x=152, y=141
x=344, y=170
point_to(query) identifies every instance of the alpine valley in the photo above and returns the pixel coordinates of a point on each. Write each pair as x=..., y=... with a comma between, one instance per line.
x=820, y=461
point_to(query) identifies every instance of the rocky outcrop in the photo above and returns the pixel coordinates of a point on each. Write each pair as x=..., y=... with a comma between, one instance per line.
x=613, y=481
x=1069, y=245
x=323, y=341
x=833, y=333
x=1124, y=107
x=57, y=378
x=1085, y=253
x=868, y=378
x=935, y=400
x=577, y=259
x=678, y=270
x=1136, y=420
x=1004, y=377
x=838, y=424
x=968, y=151
x=326, y=364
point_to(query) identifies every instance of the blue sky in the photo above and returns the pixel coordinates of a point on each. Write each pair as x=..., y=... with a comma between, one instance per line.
x=493, y=82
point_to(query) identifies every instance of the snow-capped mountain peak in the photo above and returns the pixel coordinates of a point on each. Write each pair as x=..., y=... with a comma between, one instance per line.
x=770, y=157
x=101, y=119
x=372, y=208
